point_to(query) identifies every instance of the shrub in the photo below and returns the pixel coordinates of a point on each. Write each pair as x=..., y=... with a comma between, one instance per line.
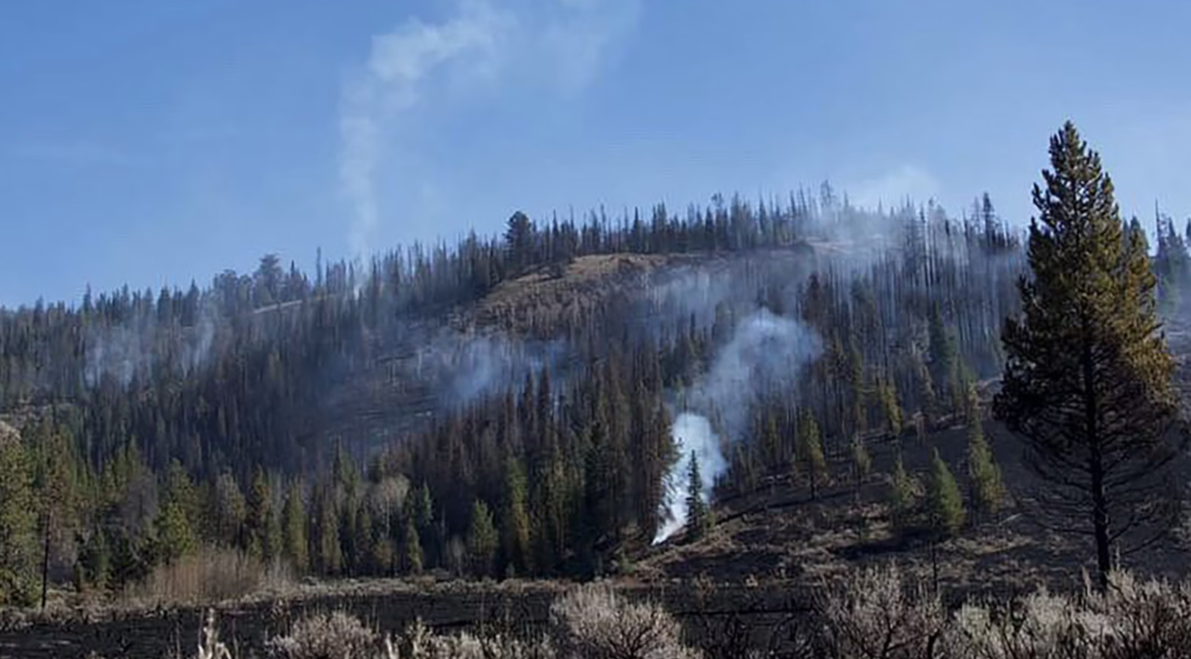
x=877, y=616
x=1150, y=619
x=874, y=614
x=419, y=642
x=593, y=622
x=326, y=636
x=1042, y=625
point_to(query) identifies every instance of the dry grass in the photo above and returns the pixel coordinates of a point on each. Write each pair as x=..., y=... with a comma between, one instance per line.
x=210, y=576
x=543, y=298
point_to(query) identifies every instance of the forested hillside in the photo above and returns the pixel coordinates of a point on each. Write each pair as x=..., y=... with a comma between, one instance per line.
x=522, y=404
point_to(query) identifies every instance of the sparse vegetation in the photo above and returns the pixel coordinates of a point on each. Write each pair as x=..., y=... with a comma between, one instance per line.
x=875, y=613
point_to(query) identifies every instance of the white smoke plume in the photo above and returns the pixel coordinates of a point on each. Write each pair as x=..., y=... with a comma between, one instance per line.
x=556, y=46
x=692, y=433
x=765, y=356
x=399, y=65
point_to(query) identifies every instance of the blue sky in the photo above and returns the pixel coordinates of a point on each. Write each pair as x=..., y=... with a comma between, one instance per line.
x=150, y=143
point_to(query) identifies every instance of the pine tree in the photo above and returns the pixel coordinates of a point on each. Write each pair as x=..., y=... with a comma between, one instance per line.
x=411, y=548
x=945, y=505
x=327, y=554
x=902, y=499
x=293, y=515
x=515, y=518
x=1087, y=381
x=985, y=475
x=57, y=494
x=424, y=523
x=264, y=528
x=94, y=562
x=519, y=235
x=227, y=508
x=482, y=539
x=18, y=541
x=810, y=451
x=944, y=356
x=891, y=407
x=363, y=542
x=698, y=517
x=174, y=523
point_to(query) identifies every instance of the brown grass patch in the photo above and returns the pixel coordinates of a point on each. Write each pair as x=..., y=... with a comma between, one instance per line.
x=212, y=575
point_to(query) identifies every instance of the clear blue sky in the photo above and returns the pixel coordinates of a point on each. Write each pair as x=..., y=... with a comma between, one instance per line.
x=149, y=143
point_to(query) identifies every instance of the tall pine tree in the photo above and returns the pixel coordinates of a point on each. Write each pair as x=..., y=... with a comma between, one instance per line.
x=1087, y=381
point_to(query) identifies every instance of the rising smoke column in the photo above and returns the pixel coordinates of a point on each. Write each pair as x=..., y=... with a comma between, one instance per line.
x=399, y=66
x=553, y=47
x=766, y=355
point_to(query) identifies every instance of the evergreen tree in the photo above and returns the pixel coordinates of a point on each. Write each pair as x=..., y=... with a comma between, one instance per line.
x=228, y=513
x=698, y=517
x=424, y=523
x=519, y=241
x=1172, y=264
x=94, y=562
x=327, y=551
x=985, y=475
x=1087, y=381
x=810, y=451
x=260, y=520
x=363, y=543
x=891, y=407
x=293, y=513
x=599, y=482
x=174, y=523
x=944, y=356
x=411, y=548
x=945, y=505
x=482, y=540
x=54, y=479
x=902, y=498
x=18, y=541
x=515, y=518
